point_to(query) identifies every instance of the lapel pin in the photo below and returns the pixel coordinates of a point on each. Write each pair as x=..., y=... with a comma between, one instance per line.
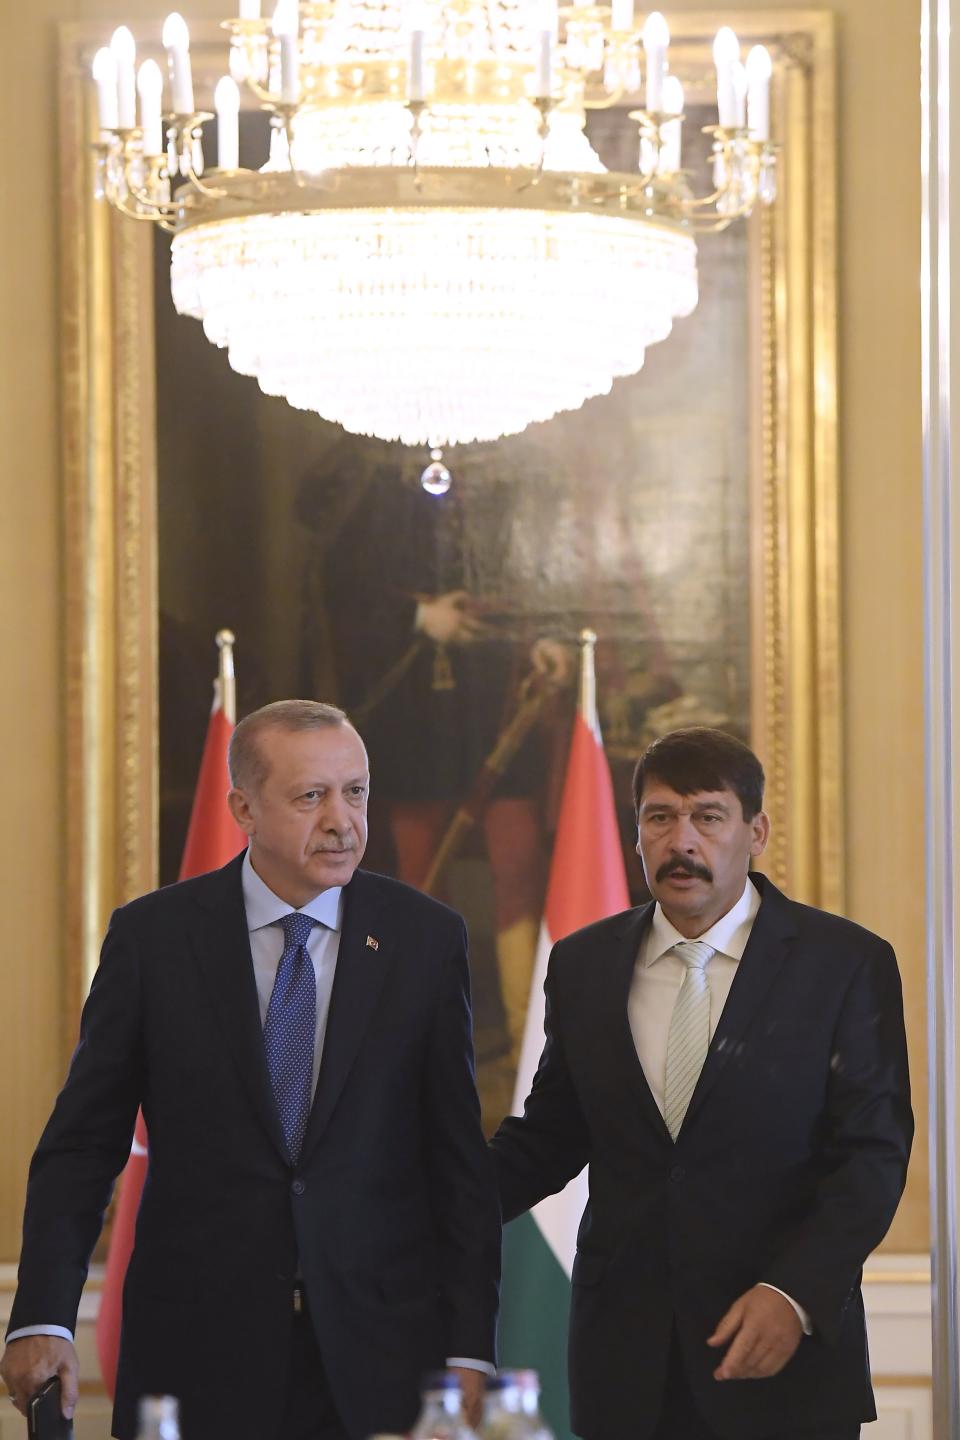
x=372, y=944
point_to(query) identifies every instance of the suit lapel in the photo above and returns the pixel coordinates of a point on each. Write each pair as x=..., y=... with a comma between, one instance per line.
x=222, y=945
x=361, y=970
x=615, y=1035
x=762, y=960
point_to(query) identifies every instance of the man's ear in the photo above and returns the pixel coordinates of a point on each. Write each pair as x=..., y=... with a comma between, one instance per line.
x=241, y=812
x=760, y=832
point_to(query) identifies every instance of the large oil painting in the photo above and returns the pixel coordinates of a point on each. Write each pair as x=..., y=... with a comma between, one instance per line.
x=444, y=623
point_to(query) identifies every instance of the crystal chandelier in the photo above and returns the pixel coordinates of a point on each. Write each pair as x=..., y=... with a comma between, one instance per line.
x=433, y=252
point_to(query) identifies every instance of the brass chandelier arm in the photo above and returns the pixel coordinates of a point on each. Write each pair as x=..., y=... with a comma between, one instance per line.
x=241, y=193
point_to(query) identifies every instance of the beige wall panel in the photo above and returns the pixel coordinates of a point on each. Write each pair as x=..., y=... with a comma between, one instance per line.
x=879, y=392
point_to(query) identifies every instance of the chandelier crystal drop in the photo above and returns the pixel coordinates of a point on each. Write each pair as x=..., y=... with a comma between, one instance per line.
x=433, y=252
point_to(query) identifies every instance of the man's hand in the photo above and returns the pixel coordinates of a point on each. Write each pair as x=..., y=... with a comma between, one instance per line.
x=449, y=619
x=31, y=1360
x=553, y=659
x=473, y=1385
x=765, y=1331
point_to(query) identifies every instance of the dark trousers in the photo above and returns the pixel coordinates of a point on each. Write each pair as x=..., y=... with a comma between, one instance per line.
x=681, y=1420
x=309, y=1412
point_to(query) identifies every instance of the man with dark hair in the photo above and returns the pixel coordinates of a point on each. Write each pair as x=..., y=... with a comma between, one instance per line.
x=319, y=1221
x=732, y=1067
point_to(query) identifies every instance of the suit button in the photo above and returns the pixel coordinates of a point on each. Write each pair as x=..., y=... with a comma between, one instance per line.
x=677, y=1173
x=298, y=1187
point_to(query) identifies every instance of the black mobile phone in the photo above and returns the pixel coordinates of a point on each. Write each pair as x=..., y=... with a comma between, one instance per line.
x=45, y=1419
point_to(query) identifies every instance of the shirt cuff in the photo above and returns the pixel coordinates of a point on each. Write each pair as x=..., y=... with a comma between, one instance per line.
x=484, y=1366
x=802, y=1315
x=40, y=1330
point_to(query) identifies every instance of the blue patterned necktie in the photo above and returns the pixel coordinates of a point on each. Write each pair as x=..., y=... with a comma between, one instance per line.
x=289, y=1031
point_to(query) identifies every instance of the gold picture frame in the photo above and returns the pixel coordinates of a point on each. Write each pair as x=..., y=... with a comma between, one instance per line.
x=109, y=466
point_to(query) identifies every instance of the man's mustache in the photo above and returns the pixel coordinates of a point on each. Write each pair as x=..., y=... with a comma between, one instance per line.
x=679, y=866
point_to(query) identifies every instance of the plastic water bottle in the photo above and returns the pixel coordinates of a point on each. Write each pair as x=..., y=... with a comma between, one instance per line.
x=442, y=1417
x=512, y=1408
x=158, y=1418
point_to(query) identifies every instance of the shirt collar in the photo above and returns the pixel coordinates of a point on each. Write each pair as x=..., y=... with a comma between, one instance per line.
x=263, y=907
x=728, y=935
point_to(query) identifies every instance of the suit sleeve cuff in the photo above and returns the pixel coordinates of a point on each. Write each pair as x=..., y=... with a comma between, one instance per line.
x=802, y=1315
x=26, y=1330
x=459, y=1363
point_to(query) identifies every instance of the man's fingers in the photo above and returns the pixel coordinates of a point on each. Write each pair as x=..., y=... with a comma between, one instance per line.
x=739, y=1358
x=764, y=1330
x=729, y=1325
x=30, y=1361
x=69, y=1373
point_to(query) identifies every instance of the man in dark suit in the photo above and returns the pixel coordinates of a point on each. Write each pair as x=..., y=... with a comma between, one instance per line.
x=319, y=1223
x=732, y=1066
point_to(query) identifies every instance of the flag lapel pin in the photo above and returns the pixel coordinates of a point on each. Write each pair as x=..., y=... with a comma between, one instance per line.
x=372, y=944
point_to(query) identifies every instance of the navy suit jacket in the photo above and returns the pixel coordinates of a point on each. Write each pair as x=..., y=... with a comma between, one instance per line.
x=390, y=1214
x=788, y=1169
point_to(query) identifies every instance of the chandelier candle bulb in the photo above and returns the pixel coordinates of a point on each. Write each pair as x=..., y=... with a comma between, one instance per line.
x=286, y=24
x=621, y=17
x=759, y=70
x=150, y=90
x=176, y=42
x=740, y=94
x=226, y=102
x=249, y=9
x=726, y=54
x=656, y=38
x=670, y=133
x=124, y=51
x=545, y=65
x=105, y=76
x=416, y=75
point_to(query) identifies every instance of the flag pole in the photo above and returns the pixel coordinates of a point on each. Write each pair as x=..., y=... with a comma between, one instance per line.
x=226, y=680
x=587, y=699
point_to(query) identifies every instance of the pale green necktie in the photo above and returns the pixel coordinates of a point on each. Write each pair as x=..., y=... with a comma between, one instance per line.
x=689, y=1036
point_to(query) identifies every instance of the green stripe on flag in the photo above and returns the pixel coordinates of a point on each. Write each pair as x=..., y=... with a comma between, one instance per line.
x=534, y=1315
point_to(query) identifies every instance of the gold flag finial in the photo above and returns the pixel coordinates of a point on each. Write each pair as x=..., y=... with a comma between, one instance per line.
x=587, y=699
x=226, y=681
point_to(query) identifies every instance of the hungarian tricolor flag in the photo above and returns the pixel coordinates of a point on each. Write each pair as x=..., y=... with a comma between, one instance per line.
x=212, y=840
x=587, y=882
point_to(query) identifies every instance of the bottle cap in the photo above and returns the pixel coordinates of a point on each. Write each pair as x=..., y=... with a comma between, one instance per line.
x=524, y=1379
x=159, y=1414
x=440, y=1380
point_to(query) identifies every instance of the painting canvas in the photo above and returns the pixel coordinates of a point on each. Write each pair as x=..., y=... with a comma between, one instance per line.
x=447, y=624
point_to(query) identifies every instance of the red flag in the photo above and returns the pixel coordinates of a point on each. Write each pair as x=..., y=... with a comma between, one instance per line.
x=212, y=840
x=213, y=836
x=587, y=875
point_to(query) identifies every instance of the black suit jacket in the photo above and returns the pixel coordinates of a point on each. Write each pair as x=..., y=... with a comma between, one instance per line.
x=788, y=1169
x=390, y=1215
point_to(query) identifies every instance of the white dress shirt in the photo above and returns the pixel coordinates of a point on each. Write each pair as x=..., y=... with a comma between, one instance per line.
x=657, y=977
